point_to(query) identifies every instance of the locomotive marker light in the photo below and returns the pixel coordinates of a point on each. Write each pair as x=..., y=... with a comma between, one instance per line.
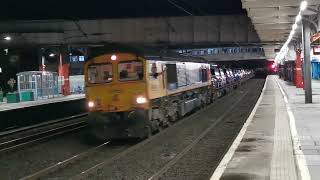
x=113, y=57
x=91, y=104
x=141, y=100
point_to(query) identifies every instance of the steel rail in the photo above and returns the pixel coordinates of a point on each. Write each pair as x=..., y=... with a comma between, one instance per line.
x=52, y=122
x=64, y=163
x=41, y=136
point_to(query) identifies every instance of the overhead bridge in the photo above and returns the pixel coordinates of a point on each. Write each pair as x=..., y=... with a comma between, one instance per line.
x=227, y=53
x=172, y=31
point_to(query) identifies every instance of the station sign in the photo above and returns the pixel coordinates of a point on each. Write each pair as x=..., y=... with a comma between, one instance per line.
x=315, y=39
x=316, y=50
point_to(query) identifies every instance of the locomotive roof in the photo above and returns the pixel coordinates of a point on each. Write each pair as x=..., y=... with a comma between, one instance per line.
x=149, y=53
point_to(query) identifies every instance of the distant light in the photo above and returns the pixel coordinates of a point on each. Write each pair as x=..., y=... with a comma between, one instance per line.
x=7, y=38
x=70, y=54
x=298, y=18
x=303, y=5
x=51, y=54
x=113, y=57
x=0, y=70
x=294, y=26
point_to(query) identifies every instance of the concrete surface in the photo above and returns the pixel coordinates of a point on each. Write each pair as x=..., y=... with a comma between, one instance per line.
x=307, y=119
x=266, y=150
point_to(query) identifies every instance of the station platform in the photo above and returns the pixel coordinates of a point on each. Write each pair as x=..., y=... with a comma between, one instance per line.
x=10, y=106
x=280, y=140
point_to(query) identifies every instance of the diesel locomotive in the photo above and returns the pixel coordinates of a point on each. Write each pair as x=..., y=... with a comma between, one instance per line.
x=131, y=94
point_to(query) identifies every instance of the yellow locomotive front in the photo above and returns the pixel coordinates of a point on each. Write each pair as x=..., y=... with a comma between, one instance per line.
x=116, y=94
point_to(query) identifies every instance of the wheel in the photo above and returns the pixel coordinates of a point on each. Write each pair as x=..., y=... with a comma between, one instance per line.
x=148, y=130
x=174, y=117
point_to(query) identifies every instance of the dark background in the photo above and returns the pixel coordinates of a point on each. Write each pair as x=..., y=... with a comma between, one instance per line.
x=72, y=9
x=95, y=9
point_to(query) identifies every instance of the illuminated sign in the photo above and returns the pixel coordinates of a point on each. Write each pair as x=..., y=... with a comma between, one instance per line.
x=316, y=50
x=315, y=38
x=77, y=58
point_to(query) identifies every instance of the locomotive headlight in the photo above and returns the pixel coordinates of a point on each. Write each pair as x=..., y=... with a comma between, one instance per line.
x=141, y=100
x=114, y=57
x=90, y=104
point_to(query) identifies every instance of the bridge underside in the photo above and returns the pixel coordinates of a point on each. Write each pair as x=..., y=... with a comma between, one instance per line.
x=273, y=20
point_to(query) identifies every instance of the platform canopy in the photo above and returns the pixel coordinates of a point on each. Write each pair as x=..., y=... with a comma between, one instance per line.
x=273, y=20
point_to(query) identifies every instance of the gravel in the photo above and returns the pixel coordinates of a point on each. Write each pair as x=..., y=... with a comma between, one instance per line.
x=15, y=165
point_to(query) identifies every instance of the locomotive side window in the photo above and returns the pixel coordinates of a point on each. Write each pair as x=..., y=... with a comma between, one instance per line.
x=130, y=70
x=100, y=73
x=204, y=75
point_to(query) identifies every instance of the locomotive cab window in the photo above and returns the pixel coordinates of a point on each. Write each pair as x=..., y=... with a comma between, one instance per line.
x=100, y=73
x=130, y=70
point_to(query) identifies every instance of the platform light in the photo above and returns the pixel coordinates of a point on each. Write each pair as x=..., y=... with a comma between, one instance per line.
x=298, y=18
x=303, y=5
x=6, y=51
x=90, y=104
x=294, y=26
x=7, y=38
x=292, y=32
x=113, y=57
x=51, y=54
x=141, y=100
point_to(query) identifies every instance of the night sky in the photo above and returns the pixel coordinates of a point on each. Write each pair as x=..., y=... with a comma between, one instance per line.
x=92, y=9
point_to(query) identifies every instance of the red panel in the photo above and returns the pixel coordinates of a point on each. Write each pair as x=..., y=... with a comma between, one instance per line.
x=64, y=71
x=298, y=71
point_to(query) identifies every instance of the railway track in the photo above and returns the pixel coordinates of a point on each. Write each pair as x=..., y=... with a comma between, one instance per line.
x=62, y=164
x=52, y=171
x=186, y=161
x=104, y=160
x=41, y=125
x=95, y=169
x=133, y=163
x=37, y=137
x=164, y=169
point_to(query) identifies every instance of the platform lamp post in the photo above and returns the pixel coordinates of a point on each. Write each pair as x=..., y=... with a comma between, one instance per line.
x=306, y=32
x=306, y=61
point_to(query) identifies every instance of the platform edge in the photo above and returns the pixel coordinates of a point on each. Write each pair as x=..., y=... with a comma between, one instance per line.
x=228, y=156
x=298, y=153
